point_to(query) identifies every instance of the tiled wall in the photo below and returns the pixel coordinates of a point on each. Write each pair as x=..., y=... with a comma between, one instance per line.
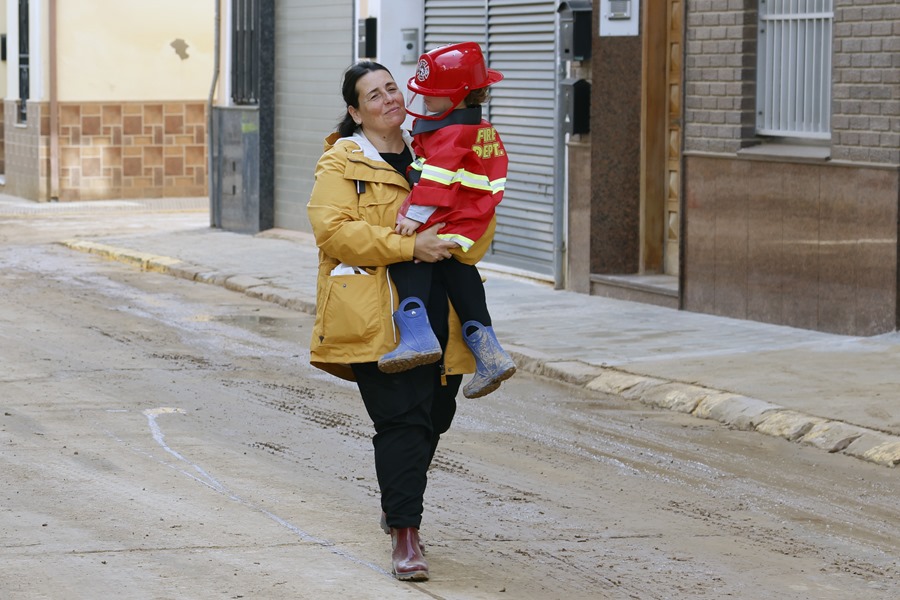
x=866, y=82
x=22, y=149
x=720, y=75
x=720, y=78
x=132, y=150
x=109, y=150
x=804, y=245
x=2, y=145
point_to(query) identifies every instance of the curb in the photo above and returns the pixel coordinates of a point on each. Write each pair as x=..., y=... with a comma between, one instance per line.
x=734, y=410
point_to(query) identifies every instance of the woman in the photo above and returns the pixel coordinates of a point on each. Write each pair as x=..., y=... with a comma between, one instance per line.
x=360, y=184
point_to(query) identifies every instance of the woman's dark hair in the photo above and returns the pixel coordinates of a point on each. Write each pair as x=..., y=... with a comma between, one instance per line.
x=346, y=126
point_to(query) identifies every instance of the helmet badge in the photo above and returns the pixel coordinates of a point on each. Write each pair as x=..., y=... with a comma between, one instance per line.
x=422, y=70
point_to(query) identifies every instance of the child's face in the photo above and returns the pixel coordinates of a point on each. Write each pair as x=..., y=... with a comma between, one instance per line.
x=437, y=104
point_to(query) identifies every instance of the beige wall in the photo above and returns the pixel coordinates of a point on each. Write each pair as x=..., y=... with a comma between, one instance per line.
x=122, y=50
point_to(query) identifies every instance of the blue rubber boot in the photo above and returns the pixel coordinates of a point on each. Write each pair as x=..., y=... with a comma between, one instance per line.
x=418, y=344
x=493, y=365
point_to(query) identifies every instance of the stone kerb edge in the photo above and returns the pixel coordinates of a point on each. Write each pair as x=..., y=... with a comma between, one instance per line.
x=731, y=409
x=752, y=414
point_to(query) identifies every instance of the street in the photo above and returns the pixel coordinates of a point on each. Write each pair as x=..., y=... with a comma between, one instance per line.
x=167, y=439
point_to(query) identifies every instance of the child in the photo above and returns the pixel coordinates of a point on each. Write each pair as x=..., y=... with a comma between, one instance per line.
x=458, y=179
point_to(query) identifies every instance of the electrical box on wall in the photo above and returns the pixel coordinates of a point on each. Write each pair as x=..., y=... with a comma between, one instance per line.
x=619, y=17
x=410, y=52
x=575, y=30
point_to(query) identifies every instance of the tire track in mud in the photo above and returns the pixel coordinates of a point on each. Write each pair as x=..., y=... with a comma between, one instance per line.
x=764, y=510
x=300, y=401
x=738, y=508
x=304, y=402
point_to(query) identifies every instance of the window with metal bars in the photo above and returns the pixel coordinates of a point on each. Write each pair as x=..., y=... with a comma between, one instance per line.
x=22, y=112
x=245, y=51
x=793, y=93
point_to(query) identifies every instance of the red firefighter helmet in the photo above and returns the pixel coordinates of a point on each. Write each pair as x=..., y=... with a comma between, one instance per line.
x=451, y=72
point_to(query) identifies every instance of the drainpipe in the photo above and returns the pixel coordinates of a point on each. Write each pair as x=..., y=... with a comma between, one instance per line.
x=213, y=205
x=54, y=108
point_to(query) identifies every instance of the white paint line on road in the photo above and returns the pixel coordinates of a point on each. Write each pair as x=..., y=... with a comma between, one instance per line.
x=208, y=480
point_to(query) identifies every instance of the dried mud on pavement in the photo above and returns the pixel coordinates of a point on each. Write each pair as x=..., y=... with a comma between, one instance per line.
x=166, y=439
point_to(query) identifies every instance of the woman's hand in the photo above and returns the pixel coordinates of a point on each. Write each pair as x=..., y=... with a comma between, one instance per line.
x=431, y=248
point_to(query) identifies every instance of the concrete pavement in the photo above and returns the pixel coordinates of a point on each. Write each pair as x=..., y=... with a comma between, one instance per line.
x=837, y=393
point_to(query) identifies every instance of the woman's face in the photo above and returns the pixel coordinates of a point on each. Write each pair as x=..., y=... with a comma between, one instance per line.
x=380, y=103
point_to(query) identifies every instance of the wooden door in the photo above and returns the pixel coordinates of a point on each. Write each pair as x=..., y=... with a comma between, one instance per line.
x=674, y=78
x=661, y=107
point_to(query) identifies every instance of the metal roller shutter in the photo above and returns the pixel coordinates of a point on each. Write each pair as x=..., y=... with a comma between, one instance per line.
x=519, y=39
x=313, y=46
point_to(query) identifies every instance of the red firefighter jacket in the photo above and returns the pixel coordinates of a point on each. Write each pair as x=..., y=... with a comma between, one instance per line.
x=461, y=170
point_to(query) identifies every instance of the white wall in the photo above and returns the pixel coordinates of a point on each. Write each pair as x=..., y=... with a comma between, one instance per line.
x=393, y=17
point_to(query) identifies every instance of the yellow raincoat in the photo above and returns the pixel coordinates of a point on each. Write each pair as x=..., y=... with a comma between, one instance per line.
x=353, y=224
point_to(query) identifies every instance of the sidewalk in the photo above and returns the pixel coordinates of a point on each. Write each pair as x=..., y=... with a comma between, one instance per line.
x=837, y=393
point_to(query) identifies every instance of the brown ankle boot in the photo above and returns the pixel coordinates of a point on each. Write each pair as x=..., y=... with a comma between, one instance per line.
x=406, y=558
x=384, y=527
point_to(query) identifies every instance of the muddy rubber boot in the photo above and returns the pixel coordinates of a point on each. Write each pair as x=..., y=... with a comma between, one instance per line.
x=382, y=522
x=418, y=344
x=493, y=365
x=407, y=561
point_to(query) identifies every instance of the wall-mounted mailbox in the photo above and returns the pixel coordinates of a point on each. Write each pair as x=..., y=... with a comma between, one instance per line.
x=575, y=22
x=367, y=37
x=577, y=103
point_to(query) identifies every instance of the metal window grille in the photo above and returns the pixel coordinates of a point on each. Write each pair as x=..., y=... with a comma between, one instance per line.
x=22, y=112
x=794, y=69
x=245, y=51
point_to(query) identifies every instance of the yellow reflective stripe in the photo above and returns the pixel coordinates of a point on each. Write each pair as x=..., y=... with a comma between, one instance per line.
x=464, y=178
x=464, y=242
x=438, y=174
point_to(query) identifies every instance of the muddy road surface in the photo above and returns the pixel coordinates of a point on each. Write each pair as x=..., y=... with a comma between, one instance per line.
x=165, y=439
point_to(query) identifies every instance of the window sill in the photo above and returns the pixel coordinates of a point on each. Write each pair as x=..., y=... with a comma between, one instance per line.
x=787, y=152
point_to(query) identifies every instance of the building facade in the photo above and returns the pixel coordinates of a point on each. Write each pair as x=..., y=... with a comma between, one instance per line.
x=299, y=55
x=734, y=157
x=792, y=162
x=106, y=98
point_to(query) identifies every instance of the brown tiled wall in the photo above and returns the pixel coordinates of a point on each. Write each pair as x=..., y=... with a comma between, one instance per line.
x=132, y=150
x=810, y=246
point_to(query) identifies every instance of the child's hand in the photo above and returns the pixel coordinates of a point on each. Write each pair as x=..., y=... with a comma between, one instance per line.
x=406, y=226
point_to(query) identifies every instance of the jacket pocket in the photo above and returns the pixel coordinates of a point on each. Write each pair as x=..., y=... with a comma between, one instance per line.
x=352, y=309
x=380, y=203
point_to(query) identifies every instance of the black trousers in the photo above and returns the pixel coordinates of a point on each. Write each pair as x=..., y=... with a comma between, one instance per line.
x=410, y=410
x=462, y=283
